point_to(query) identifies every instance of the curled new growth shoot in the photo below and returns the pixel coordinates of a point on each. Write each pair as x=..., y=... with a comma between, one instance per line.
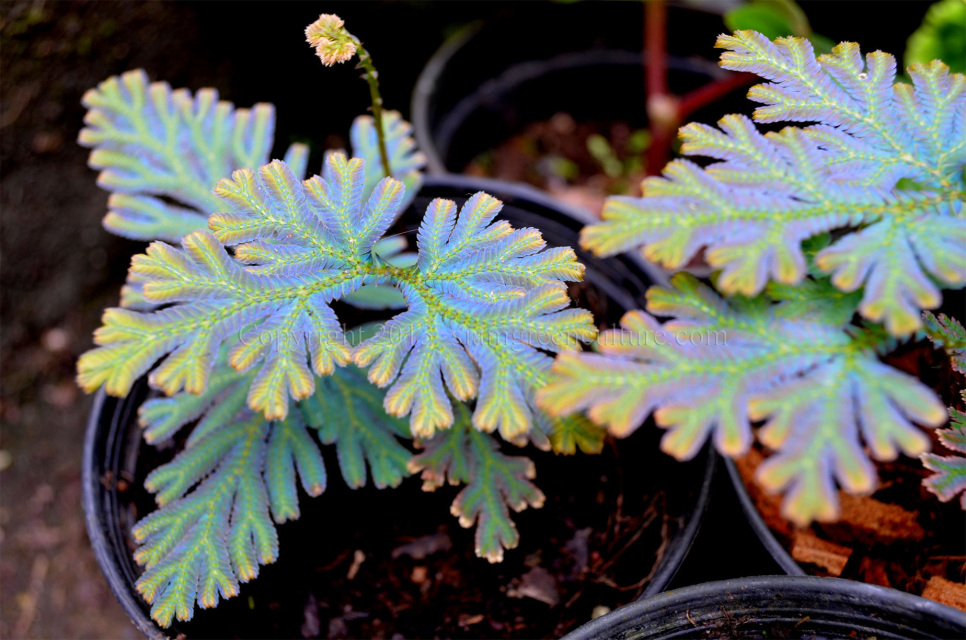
x=334, y=44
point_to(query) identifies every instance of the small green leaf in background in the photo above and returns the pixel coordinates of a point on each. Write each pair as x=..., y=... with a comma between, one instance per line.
x=776, y=19
x=603, y=153
x=942, y=36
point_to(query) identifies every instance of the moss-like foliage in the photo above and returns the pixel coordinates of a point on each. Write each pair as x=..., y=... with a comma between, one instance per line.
x=238, y=475
x=884, y=161
x=240, y=319
x=719, y=365
x=949, y=472
x=861, y=213
x=485, y=301
x=495, y=483
x=162, y=151
x=949, y=335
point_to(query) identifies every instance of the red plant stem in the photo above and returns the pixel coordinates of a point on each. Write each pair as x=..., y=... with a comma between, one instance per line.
x=705, y=95
x=655, y=47
x=666, y=112
x=660, y=109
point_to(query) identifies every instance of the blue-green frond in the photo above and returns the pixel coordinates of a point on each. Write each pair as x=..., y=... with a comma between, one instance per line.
x=405, y=161
x=214, y=528
x=948, y=478
x=153, y=144
x=224, y=397
x=884, y=160
x=219, y=500
x=390, y=251
x=347, y=412
x=718, y=366
x=273, y=317
x=239, y=474
x=486, y=302
x=162, y=151
x=495, y=482
x=948, y=334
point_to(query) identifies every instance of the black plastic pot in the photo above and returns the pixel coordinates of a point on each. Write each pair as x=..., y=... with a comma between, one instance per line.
x=893, y=605
x=767, y=538
x=489, y=81
x=778, y=607
x=113, y=443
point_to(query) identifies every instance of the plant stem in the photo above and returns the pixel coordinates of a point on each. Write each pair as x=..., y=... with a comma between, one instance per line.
x=372, y=77
x=706, y=94
x=655, y=47
x=666, y=111
x=661, y=106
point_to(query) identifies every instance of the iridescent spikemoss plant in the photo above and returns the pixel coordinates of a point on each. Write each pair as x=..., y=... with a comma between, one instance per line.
x=241, y=334
x=828, y=242
x=235, y=325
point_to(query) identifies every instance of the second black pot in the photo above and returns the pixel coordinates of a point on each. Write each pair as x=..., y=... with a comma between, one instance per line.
x=471, y=97
x=113, y=447
x=778, y=607
x=489, y=81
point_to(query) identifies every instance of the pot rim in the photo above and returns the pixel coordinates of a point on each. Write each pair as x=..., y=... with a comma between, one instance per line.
x=767, y=538
x=97, y=498
x=784, y=559
x=818, y=589
x=429, y=80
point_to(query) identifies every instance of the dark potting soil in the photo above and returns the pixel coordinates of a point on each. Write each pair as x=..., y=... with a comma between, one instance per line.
x=901, y=536
x=555, y=155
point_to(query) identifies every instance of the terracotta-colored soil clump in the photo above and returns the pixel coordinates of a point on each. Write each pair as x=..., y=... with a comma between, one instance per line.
x=900, y=537
x=946, y=592
x=809, y=548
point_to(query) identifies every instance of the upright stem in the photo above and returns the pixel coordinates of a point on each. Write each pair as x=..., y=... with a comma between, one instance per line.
x=706, y=94
x=665, y=111
x=655, y=46
x=372, y=77
x=661, y=106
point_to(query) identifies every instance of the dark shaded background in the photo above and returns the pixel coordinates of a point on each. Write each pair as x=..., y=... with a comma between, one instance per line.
x=60, y=269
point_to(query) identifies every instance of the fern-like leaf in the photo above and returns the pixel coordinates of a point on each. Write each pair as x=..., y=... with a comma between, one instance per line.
x=495, y=483
x=405, y=161
x=200, y=545
x=237, y=469
x=162, y=151
x=949, y=472
x=949, y=335
x=886, y=159
x=485, y=302
x=484, y=299
x=347, y=411
x=152, y=143
x=717, y=366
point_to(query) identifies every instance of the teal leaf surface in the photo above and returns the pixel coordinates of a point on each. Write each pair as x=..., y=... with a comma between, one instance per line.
x=238, y=476
x=347, y=411
x=154, y=145
x=949, y=335
x=405, y=161
x=717, y=366
x=485, y=303
x=885, y=161
x=162, y=151
x=495, y=483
